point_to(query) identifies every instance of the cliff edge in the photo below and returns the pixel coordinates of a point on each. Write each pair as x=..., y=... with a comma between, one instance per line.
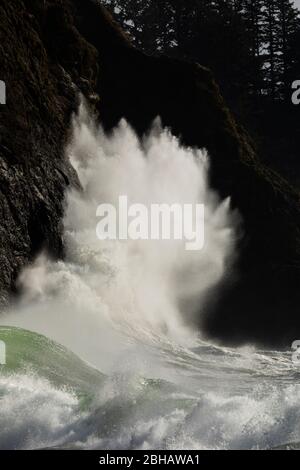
x=49, y=51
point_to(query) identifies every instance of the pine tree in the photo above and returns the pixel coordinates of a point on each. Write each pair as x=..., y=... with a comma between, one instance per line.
x=251, y=10
x=270, y=52
x=251, y=45
x=288, y=24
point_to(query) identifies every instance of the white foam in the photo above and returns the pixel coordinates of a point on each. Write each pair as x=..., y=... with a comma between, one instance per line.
x=142, y=288
x=34, y=414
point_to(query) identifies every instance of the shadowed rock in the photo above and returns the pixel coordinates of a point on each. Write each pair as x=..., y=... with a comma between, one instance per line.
x=51, y=49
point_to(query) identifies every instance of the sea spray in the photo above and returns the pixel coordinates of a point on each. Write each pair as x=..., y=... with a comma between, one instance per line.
x=125, y=307
x=145, y=289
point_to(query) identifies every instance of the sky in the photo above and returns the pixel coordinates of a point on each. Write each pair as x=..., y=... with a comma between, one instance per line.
x=297, y=2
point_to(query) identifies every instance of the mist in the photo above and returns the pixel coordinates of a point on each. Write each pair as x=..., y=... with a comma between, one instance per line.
x=107, y=295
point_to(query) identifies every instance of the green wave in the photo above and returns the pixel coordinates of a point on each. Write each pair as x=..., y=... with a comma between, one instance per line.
x=28, y=352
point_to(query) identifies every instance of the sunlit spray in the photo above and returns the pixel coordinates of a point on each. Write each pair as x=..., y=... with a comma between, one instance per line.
x=141, y=288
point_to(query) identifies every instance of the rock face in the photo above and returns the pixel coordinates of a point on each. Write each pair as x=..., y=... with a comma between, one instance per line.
x=52, y=48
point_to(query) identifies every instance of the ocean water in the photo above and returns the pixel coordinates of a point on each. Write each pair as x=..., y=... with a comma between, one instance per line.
x=101, y=349
x=204, y=398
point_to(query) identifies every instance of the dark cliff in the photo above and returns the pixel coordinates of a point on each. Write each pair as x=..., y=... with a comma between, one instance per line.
x=50, y=49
